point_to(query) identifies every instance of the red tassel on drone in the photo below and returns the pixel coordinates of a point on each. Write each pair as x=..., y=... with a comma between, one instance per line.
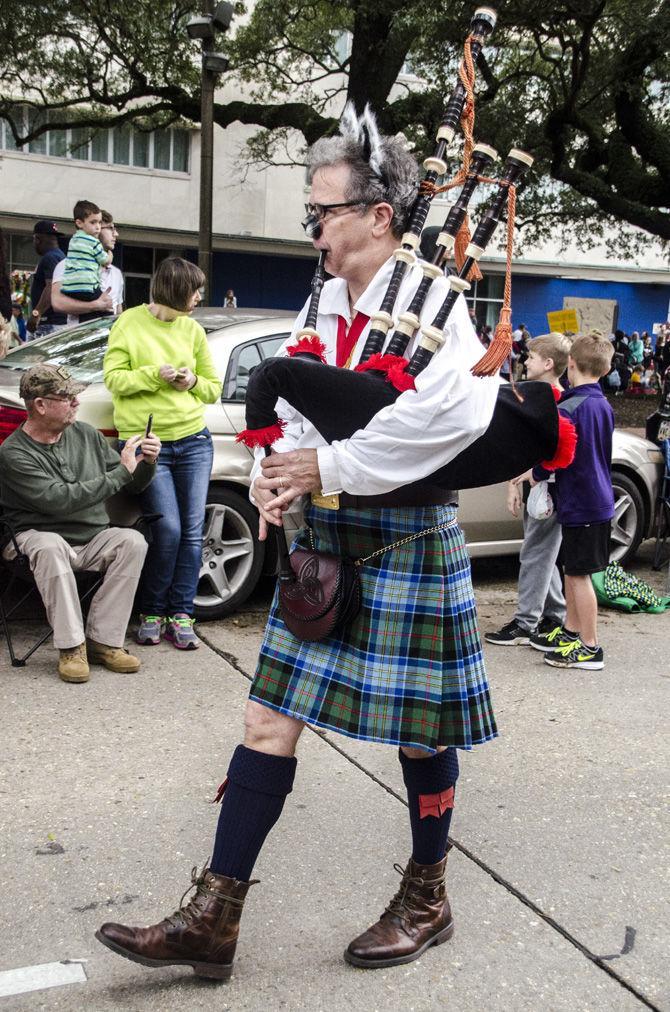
x=308, y=346
x=380, y=363
x=262, y=437
x=393, y=365
x=398, y=378
x=565, y=448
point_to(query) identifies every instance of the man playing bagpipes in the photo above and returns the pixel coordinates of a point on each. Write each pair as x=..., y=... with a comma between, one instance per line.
x=405, y=666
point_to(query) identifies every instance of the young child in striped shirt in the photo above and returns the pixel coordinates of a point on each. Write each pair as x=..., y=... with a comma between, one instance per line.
x=85, y=254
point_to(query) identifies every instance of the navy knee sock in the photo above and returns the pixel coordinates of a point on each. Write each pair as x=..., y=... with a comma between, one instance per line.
x=430, y=792
x=252, y=802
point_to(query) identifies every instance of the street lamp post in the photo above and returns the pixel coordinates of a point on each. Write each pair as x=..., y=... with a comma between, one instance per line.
x=215, y=18
x=208, y=80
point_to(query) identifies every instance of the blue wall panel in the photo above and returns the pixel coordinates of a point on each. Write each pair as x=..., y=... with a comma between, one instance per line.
x=640, y=305
x=262, y=281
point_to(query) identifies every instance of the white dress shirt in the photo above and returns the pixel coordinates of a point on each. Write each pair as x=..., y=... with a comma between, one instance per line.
x=424, y=428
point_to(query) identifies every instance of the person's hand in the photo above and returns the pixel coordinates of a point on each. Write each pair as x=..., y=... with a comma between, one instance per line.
x=292, y=474
x=105, y=303
x=32, y=323
x=184, y=379
x=269, y=511
x=514, y=500
x=151, y=447
x=128, y=457
x=167, y=373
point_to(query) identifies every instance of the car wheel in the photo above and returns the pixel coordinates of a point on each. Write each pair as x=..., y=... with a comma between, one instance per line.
x=232, y=555
x=628, y=520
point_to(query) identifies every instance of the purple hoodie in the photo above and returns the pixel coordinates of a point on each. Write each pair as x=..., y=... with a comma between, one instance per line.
x=584, y=489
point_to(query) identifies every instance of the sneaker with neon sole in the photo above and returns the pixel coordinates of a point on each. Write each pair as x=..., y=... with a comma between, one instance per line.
x=179, y=632
x=551, y=637
x=576, y=654
x=151, y=629
x=511, y=635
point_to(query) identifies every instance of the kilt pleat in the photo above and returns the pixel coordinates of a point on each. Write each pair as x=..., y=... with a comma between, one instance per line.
x=409, y=669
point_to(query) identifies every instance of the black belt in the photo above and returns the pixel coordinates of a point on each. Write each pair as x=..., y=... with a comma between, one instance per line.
x=407, y=496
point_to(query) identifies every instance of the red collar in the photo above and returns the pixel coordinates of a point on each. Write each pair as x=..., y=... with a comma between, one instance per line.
x=346, y=340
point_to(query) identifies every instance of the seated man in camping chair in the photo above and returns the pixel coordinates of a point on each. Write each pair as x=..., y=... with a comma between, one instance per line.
x=55, y=475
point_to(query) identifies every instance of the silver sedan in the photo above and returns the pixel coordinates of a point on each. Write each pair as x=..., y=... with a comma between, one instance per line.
x=233, y=558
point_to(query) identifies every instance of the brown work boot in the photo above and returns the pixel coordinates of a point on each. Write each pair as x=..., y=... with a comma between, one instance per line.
x=417, y=917
x=114, y=658
x=203, y=934
x=72, y=664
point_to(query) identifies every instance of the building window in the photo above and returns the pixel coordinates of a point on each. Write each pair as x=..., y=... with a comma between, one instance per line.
x=162, y=149
x=121, y=150
x=180, y=146
x=38, y=146
x=100, y=146
x=78, y=146
x=21, y=252
x=487, y=298
x=141, y=150
x=167, y=150
x=138, y=265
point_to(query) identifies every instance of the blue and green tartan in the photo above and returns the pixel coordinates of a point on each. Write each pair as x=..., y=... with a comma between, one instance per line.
x=409, y=669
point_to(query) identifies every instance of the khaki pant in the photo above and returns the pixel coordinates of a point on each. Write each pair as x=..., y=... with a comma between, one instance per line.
x=116, y=552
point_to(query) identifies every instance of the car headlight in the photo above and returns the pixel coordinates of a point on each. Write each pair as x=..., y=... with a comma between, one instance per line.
x=655, y=456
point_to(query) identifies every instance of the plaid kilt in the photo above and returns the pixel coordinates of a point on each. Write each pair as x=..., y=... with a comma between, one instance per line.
x=409, y=669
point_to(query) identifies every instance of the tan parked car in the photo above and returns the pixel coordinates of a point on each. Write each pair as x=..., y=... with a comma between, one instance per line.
x=233, y=558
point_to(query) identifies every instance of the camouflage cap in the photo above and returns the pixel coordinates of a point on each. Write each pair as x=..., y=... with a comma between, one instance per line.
x=48, y=380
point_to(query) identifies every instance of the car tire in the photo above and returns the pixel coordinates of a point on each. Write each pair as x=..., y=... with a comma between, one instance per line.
x=232, y=555
x=628, y=520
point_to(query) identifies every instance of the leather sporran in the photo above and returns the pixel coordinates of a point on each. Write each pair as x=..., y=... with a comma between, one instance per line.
x=325, y=595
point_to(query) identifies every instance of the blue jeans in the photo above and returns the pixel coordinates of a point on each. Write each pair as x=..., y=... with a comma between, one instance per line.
x=179, y=492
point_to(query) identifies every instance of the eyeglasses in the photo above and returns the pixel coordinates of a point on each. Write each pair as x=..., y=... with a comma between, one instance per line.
x=319, y=211
x=70, y=400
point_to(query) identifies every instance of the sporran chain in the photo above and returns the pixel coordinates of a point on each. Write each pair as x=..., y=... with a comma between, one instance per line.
x=396, y=544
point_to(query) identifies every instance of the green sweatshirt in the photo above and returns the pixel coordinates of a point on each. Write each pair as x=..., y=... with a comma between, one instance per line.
x=62, y=487
x=139, y=345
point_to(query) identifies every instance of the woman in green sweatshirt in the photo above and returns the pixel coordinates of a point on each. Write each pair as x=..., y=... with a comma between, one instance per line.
x=158, y=363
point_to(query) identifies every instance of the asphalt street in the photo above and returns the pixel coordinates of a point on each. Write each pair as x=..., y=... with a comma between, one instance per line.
x=558, y=877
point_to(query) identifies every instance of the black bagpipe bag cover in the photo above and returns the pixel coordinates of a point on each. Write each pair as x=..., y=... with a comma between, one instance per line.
x=523, y=432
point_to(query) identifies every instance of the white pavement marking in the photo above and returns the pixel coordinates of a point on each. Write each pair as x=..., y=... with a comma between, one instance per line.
x=35, y=978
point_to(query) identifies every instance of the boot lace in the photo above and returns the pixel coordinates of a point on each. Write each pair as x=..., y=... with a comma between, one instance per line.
x=401, y=904
x=191, y=913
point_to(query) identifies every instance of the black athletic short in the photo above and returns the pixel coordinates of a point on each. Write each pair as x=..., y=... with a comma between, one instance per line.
x=585, y=549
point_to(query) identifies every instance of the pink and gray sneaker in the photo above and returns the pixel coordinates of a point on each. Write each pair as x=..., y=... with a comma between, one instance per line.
x=179, y=631
x=151, y=629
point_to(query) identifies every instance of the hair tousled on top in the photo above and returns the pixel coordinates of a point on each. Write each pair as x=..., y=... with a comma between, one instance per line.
x=381, y=169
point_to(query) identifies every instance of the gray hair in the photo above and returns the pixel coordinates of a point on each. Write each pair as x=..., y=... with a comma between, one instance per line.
x=399, y=188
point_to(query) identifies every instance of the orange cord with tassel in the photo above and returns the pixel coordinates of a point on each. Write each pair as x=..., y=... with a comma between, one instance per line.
x=501, y=345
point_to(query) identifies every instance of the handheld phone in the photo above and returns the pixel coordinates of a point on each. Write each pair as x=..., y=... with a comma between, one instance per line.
x=150, y=420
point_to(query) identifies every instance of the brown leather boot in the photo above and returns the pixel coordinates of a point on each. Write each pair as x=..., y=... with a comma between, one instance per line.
x=203, y=934
x=417, y=917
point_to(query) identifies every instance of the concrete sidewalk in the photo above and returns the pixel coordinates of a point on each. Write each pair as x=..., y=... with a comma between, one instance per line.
x=104, y=810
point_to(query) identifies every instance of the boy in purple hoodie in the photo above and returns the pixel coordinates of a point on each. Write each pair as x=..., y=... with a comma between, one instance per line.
x=585, y=501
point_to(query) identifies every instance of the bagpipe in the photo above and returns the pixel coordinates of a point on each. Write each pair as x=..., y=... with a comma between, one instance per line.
x=525, y=428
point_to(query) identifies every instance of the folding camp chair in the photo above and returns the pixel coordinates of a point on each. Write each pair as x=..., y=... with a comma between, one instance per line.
x=21, y=580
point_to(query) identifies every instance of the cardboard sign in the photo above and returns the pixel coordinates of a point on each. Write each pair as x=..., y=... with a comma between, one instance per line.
x=564, y=321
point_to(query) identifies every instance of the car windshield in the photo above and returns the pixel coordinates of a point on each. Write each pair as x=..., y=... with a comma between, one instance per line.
x=81, y=349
